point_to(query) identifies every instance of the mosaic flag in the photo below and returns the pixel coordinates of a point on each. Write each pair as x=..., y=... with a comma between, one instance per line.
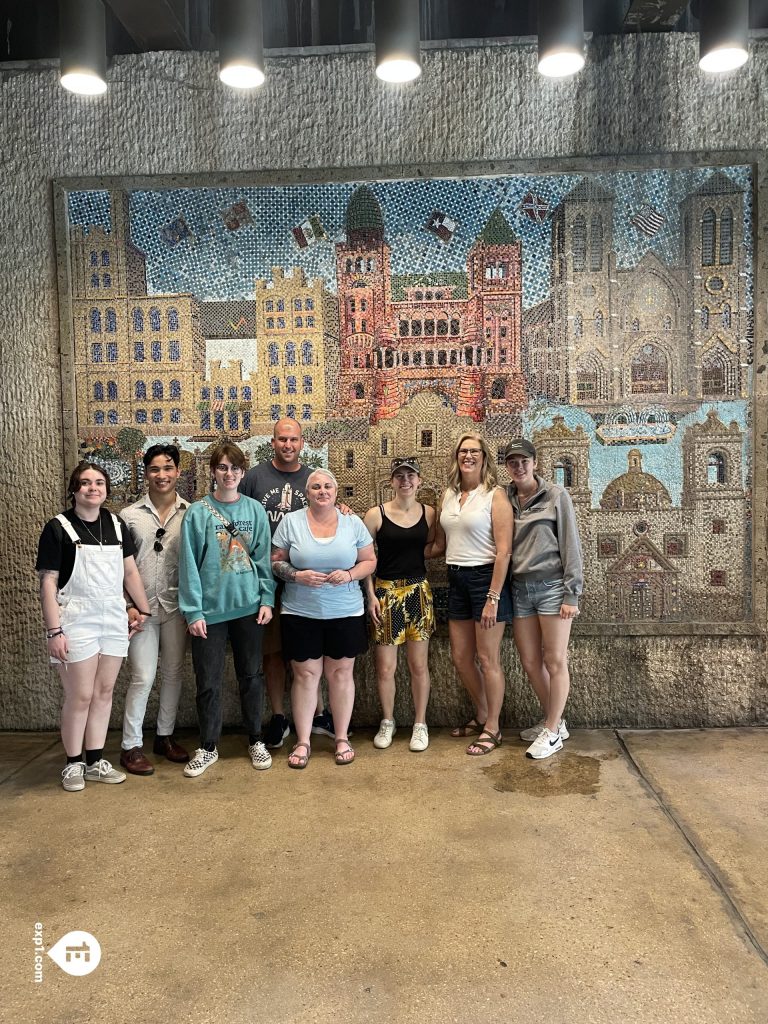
x=237, y=216
x=442, y=225
x=648, y=220
x=533, y=206
x=175, y=231
x=308, y=232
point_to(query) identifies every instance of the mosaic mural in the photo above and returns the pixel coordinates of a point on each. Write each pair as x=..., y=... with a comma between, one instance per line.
x=607, y=316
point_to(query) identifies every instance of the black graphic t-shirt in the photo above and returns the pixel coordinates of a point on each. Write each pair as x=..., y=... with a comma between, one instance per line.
x=279, y=492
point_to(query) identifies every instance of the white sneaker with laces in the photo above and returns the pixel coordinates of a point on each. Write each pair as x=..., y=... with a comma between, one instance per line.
x=545, y=744
x=383, y=737
x=73, y=777
x=203, y=759
x=419, y=737
x=260, y=756
x=529, y=735
x=103, y=771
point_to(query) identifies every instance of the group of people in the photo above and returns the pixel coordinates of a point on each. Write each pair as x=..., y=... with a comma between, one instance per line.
x=270, y=562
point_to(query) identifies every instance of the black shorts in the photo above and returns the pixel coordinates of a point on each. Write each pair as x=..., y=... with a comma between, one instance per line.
x=305, y=639
x=468, y=587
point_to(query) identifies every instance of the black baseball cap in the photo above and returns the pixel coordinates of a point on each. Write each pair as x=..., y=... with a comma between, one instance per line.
x=519, y=446
x=406, y=462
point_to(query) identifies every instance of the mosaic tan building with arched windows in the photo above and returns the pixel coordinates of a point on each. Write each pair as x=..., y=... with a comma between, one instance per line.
x=137, y=357
x=610, y=333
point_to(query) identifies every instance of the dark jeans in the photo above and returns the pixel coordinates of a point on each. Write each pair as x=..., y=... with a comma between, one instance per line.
x=209, y=657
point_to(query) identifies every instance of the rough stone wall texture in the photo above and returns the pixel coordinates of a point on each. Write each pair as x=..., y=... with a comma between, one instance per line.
x=167, y=114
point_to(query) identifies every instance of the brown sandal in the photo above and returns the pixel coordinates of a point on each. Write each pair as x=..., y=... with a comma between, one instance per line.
x=301, y=760
x=342, y=757
x=485, y=743
x=470, y=728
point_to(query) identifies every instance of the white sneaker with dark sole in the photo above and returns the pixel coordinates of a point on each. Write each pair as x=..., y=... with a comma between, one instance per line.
x=73, y=777
x=260, y=756
x=203, y=759
x=529, y=735
x=545, y=744
x=383, y=737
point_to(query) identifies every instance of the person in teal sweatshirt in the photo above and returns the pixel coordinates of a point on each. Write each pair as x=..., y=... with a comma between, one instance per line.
x=226, y=591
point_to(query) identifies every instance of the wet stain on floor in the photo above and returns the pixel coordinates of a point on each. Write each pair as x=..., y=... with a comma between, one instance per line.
x=565, y=775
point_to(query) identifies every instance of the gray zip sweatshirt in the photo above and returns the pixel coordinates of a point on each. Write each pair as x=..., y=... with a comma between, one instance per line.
x=546, y=542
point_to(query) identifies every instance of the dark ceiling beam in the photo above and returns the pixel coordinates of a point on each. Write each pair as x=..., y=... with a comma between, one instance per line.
x=647, y=15
x=154, y=24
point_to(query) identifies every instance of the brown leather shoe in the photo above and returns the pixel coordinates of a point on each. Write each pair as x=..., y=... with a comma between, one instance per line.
x=166, y=746
x=135, y=763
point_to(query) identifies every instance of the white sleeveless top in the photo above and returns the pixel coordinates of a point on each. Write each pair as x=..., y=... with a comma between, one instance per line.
x=468, y=529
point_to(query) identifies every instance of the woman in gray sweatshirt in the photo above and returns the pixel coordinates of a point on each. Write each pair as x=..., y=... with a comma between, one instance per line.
x=547, y=579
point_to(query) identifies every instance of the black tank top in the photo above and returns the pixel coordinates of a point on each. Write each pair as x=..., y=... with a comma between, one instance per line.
x=401, y=549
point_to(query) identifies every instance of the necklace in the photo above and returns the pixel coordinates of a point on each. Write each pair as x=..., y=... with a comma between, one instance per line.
x=99, y=539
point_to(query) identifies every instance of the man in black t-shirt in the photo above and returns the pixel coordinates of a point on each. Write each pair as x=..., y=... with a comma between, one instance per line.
x=280, y=485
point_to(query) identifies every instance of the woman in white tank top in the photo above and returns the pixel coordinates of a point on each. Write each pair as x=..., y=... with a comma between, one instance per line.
x=476, y=519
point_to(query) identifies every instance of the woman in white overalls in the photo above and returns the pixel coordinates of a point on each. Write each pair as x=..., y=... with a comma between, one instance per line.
x=85, y=563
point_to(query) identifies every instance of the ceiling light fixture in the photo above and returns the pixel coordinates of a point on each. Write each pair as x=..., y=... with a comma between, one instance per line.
x=398, y=34
x=723, y=34
x=83, y=46
x=561, y=37
x=240, y=34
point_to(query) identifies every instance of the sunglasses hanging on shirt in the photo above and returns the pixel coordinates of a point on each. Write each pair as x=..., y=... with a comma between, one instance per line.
x=160, y=533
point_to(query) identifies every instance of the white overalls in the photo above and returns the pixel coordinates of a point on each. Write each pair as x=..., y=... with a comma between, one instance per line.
x=92, y=604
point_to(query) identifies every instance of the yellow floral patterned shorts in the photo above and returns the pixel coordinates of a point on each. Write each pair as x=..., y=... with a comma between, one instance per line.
x=407, y=611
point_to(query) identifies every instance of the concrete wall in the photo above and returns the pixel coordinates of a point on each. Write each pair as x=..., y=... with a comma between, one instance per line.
x=485, y=108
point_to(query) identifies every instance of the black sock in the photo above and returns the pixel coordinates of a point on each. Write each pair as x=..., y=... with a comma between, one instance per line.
x=209, y=747
x=92, y=756
x=75, y=759
x=253, y=739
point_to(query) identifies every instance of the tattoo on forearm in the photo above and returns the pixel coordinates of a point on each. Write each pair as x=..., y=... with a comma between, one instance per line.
x=284, y=571
x=43, y=573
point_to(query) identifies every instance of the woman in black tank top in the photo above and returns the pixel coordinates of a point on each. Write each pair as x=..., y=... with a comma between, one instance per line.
x=399, y=597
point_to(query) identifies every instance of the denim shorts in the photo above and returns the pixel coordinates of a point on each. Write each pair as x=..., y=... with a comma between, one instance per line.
x=468, y=587
x=537, y=597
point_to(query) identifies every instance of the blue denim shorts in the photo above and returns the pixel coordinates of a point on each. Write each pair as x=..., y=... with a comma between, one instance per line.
x=537, y=597
x=468, y=587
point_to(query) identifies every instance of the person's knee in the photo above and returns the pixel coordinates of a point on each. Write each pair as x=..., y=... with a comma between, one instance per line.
x=419, y=673
x=555, y=662
x=532, y=664
x=489, y=661
x=78, y=702
x=141, y=681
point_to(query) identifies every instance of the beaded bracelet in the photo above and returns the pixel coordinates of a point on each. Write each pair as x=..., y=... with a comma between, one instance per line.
x=493, y=598
x=50, y=634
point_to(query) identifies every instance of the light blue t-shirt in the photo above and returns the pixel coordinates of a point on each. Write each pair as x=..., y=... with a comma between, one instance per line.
x=323, y=555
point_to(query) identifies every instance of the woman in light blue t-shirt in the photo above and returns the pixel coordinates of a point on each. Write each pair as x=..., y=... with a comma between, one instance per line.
x=322, y=555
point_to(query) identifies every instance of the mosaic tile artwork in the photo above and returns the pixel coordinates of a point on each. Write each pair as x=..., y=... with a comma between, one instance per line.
x=607, y=316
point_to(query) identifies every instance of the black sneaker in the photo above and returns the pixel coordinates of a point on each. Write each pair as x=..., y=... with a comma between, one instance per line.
x=276, y=731
x=322, y=725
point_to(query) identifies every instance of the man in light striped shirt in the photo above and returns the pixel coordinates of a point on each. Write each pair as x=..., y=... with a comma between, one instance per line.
x=155, y=525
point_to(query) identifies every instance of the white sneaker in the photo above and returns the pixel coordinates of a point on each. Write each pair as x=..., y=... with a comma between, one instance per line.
x=419, y=737
x=260, y=756
x=545, y=744
x=529, y=735
x=383, y=737
x=203, y=759
x=103, y=771
x=73, y=777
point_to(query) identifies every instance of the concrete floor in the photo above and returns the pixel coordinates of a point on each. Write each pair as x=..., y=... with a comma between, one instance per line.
x=623, y=880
